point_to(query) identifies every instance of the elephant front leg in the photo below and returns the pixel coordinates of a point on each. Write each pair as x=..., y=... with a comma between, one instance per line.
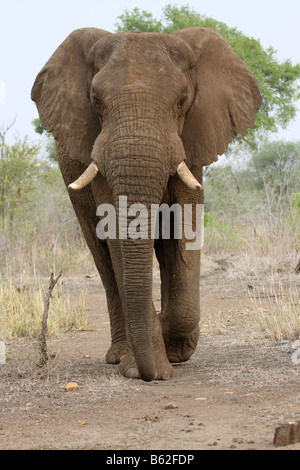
x=180, y=313
x=85, y=203
x=118, y=348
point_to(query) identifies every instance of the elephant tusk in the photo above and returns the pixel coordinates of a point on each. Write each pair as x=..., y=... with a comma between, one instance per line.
x=187, y=177
x=87, y=176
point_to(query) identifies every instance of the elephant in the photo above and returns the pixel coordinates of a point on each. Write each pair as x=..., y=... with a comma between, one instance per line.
x=139, y=114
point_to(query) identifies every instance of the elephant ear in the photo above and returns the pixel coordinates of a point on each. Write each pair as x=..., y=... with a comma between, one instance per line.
x=61, y=93
x=227, y=97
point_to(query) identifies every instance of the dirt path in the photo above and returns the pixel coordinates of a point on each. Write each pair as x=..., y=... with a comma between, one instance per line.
x=232, y=394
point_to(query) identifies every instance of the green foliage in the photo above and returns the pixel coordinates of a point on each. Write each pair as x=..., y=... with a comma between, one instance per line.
x=270, y=175
x=295, y=203
x=230, y=190
x=173, y=18
x=38, y=227
x=295, y=199
x=38, y=126
x=210, y=220
x=137, y=20
x=255, y=201
x=278, y=82
x=19, y=168
x=276, y=164
x=220, y=235
x=50, y=144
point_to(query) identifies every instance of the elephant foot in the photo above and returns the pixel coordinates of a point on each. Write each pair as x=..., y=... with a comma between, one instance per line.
x=181, y=348
x=163, y=368
x=179, y=352
x=128, y=368
x=116, y=352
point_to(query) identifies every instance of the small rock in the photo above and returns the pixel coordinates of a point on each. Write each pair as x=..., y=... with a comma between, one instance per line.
x=238, y=440
x=286, y=434
x=171, y=406
x=71, y=386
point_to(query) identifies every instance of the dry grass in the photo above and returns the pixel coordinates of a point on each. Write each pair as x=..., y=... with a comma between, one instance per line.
x=22, y=305
x=276, y=311
x=214, y=324
x=45, y=235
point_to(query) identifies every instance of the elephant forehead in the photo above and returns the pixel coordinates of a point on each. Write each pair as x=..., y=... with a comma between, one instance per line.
x=143, y=51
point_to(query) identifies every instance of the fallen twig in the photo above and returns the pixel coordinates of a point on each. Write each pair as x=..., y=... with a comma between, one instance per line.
x=42, y=336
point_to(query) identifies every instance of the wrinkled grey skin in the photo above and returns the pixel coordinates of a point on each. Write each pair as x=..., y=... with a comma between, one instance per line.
x=138, y=104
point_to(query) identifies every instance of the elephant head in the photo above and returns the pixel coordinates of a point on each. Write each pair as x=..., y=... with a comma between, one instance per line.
x=134, y=107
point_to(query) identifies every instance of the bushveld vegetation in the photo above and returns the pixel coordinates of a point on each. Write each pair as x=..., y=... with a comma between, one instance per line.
x=252, y=195
x=38, y=234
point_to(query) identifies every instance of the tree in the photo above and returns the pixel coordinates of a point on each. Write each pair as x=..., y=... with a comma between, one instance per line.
x=277, y=164
x=276, y=168
x=50, y=144
x=278, y=82
x=268, y=183
x=19, y=168
x=137, y=20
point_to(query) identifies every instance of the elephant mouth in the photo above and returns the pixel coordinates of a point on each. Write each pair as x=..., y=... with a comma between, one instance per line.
x=90, y=173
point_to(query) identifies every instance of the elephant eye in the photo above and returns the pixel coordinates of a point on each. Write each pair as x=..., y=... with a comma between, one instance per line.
x=181, y=103
x=96, y=101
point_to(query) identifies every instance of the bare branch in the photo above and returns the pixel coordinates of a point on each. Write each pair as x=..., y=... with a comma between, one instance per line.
x=3, y=133
x=42, y=336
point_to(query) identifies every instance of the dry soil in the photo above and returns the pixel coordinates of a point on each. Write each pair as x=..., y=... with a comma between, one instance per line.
x=231, y=394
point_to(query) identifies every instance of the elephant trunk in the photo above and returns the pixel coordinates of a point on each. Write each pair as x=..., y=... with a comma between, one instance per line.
x=137, y=271
x=137, y=257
